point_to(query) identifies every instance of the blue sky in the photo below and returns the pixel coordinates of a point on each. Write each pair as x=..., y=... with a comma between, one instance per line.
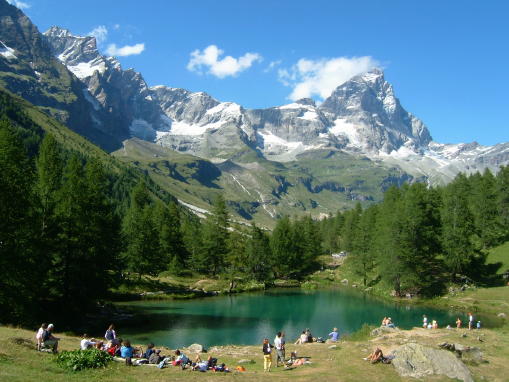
x=447, y=60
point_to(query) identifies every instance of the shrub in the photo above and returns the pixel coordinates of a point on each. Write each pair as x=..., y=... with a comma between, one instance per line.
x=77, y=360
x=362, y=334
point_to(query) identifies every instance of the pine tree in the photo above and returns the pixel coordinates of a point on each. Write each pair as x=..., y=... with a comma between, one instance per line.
x=21, y=266
x=458, y=240
x=258, y=255
x=283, y=249
x=350, y=227
x=171, y=244
x=485, y=209
x=141, y=254
x=214, y=248
x=362, y=256
x=503, y=200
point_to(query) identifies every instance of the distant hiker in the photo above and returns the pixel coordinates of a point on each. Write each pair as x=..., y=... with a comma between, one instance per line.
x=38, y=336
x=279, y=344
x=267, y=354
x=49, y=340
x=458, y=323
x=470, y=321
x=334, y=335
x=87, y=343
x=424, y=321
x=110, y=334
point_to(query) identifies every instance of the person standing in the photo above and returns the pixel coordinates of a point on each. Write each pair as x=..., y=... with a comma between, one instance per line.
x=279, y=344
x=458, y=323
x=424, y=321
x=110, y=334
x=470, y=321
x=267, y=355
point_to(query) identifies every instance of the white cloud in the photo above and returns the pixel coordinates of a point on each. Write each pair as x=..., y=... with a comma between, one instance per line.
x=20, y=4
x=100, y=33
x=272, y=65
x=320, y=77
x=209, y=60
x=126, y=50
x=116, y=26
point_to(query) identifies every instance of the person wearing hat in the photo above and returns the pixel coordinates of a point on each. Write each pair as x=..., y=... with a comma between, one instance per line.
x=49, y=340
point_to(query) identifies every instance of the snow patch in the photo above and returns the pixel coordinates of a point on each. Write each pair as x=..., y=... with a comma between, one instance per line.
x=347, y=129
x=86, y=69
x=7, y=52
x=225, y=109
x=182, y=128
x=270, y=139
x=296, y=106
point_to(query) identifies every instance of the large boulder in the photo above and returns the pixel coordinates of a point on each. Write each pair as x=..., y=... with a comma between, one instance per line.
x=418, y=361
x=196, y=348
x=383, y=330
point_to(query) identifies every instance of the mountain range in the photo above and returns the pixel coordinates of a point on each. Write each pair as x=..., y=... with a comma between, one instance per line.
x=301, y=157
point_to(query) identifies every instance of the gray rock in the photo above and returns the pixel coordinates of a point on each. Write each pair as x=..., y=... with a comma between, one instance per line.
x=344, y=281
x=418, y=361
x=246, y=361
x=196, y=348
x=383, y=330
x=472, y=355
x=332, y=347
x=502, y=315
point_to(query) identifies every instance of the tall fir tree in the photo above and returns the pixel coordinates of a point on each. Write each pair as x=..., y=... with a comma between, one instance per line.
x=21, y=264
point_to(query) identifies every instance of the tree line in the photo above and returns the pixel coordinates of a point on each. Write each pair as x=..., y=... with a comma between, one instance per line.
x=421, y=238
x=72, y=229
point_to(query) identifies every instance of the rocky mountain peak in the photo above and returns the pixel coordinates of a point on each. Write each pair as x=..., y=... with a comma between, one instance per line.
x=306, y=101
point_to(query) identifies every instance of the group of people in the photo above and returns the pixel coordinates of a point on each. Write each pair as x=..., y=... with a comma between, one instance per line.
x=280, y=348
x=387, y=321
x=45, y=339
x=434, y=324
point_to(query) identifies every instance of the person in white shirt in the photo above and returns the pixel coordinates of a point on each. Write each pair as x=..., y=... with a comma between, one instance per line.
x=279, y=344
x=87, y=343
x=470, y=321
x=38, y=336
x=424, y=321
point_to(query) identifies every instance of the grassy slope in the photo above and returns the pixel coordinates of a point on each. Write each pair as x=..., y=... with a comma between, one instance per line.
x=500, y=255
x=258, y=188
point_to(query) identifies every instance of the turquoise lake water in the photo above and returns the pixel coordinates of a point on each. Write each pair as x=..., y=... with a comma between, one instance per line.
x=245, y=319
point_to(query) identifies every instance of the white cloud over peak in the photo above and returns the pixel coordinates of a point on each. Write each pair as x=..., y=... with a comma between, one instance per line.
x=100, y=33
x=209, y=60
x=320, y=77
x=20, y=4
x=126, y=50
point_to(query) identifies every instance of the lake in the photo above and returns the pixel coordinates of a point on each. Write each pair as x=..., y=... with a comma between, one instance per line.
x=245, y=319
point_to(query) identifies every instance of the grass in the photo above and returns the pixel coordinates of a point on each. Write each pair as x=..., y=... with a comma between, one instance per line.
x=500, y=255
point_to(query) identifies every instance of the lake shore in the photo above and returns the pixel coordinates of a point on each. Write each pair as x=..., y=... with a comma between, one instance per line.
x=340, y=362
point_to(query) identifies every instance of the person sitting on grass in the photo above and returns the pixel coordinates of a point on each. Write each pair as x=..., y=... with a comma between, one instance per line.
x=87, y=343
x=38, y=336
x=181, y=359
x=155, y=357
x=302, y=339
x=376, y=356
x=334, y=335
x=49, y=340
x=389, y=323
x=127, y=352
x=110, y=334
x=149, y=351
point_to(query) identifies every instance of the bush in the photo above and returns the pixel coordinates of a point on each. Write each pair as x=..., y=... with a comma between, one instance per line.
x=362, y=334
x=77, y=360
